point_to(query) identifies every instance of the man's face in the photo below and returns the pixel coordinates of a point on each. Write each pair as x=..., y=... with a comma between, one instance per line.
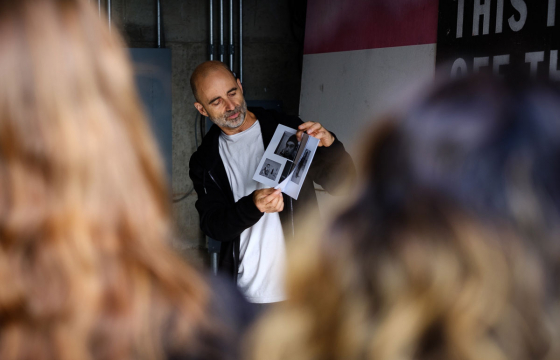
x=221, y=99
x=290, y=147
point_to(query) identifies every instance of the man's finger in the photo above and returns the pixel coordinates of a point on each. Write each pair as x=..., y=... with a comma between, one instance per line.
x=268, y=191
x=272, y=205
x=260, y=194
x=273, y=196
x=306, y=125
x=318, y=134
x=277, y=206
x=325, y=137
x=312, y=129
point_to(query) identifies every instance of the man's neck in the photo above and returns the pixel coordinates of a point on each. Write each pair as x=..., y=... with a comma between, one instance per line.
x=250, y=119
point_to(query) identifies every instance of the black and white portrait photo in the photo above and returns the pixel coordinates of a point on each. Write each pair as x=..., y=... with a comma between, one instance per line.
x=286, y=170
x=300, y=167
x=270, y=169
x=288, y=146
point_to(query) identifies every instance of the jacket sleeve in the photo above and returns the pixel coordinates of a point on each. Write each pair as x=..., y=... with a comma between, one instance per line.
x=219, y=218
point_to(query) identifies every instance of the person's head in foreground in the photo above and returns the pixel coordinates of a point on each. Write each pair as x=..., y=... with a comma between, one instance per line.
x=450, y=249
x=86, y=271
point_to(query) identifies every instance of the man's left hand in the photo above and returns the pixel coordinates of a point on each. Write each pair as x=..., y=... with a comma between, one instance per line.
x=317, y=131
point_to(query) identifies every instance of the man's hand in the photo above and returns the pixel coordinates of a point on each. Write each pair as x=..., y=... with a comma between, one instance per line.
x=268, y=200
x=317, y=131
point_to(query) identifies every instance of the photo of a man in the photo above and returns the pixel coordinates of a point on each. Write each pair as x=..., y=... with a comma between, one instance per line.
x=288, y=146
x=266, y=170
x=298, y=172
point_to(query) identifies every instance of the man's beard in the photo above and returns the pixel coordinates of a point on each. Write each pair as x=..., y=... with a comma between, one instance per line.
x=223, y=121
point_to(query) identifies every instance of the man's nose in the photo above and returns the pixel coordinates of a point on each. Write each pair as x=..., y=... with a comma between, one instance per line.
x=229, y=105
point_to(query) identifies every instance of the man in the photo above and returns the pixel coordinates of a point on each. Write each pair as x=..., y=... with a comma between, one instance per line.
x=251, y=221
x=290, y=150
x=266, y=170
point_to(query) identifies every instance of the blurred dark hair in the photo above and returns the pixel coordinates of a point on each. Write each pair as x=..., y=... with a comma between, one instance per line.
x=478, y=143
x=489, y=148
x=449, y=250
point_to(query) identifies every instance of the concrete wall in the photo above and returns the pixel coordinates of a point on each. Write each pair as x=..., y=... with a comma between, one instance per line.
x=361, y=86
x=272, y=51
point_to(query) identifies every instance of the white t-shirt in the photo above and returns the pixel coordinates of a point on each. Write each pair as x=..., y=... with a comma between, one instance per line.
x=262, y=252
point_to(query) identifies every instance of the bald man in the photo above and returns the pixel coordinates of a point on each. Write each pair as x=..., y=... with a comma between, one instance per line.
x=251, y=221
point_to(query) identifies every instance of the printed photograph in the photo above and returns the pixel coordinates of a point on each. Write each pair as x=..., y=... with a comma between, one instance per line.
x=270, y=169
x=286, y=171
x=288, y=146
x=300, y=167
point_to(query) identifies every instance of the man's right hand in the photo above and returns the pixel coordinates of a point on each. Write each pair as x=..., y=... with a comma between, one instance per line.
x=268, y=200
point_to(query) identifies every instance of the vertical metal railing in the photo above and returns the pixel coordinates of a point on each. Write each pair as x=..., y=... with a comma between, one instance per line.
x=158, y=24
x=211, y=49
x=231, y=48
x=222, y=30
x=241, y=41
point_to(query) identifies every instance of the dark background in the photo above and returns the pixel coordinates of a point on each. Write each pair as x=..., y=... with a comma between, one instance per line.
x=534, y=36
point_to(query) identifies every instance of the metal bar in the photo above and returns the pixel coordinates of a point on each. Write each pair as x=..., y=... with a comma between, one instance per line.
x=211, y=50
x=99, y=7
x=241, y=41
x=213, y=249
x=215, y=263
x=222, y=30
x=231, y=49
x=109, y=14
x=158, y=24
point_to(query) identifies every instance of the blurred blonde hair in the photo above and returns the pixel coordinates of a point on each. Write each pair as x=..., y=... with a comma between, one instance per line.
x=85, y=267
x=439, y=293
x=423, y=265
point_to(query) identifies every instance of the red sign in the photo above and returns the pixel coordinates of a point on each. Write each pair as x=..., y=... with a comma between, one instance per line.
x=344, y=25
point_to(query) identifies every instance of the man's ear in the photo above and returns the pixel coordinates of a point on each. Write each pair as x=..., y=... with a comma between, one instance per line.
x=239, y=84
x=200, y=109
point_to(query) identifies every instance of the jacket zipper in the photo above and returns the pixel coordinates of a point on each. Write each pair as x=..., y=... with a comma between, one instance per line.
x=215, y=182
